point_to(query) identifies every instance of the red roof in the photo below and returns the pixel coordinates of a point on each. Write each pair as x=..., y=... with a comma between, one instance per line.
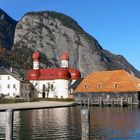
x=33, y=74
x=53, y=73
x=36, y=56
x=64, y=56
x=75, y=74
x=48, y=74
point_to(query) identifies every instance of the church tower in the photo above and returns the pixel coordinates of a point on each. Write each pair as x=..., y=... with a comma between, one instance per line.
x=36, y=57
x=64, y=60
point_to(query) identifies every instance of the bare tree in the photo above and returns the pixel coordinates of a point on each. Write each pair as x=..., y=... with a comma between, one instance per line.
x=48, y=88
x=32, y=89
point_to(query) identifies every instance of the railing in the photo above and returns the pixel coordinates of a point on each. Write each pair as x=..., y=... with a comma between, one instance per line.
x=106, y=101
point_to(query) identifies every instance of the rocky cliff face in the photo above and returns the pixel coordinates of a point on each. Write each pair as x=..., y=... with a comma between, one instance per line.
x=7, y=29
x=52, y=34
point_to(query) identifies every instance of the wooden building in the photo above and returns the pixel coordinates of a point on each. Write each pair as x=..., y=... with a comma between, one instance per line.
x=108, y=87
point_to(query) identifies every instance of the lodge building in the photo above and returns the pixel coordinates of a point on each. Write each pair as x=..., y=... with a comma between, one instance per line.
x=109, y=86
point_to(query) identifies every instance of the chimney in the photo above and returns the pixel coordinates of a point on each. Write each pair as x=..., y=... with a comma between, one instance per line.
x=11, y=69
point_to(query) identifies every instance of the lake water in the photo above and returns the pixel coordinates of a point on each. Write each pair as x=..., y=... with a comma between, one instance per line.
x=106, y=123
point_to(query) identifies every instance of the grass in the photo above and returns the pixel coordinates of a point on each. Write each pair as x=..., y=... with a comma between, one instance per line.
x=10, y=101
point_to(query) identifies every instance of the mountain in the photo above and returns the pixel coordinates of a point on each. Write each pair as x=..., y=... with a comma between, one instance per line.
x=7, y=30
x=54, y=33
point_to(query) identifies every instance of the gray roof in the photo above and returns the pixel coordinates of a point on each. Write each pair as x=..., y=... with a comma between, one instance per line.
x=76, y=83
x=16, y=75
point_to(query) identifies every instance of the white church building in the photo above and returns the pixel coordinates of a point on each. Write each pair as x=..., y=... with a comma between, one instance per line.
x=52, y=82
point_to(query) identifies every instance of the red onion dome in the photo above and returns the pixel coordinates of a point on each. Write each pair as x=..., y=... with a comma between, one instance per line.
x=33, y=74
x=36, y=56
x=64, y=56
x=63, y=73
x=75, y=74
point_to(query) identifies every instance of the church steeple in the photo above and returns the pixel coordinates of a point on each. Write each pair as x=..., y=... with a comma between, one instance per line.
x=64, y=60
x=36, y=57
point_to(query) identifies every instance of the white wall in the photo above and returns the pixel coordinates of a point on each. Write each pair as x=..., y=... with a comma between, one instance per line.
x=73, y=81
x=8, y=80
x=10, y=86
x=24, y=89
x=62, y=88
x=64, y=63
x=38, y=84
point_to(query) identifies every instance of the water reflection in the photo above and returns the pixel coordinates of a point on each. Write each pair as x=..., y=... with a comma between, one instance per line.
x=3, y=120
x=48, y=124
x=109, y=123
x=65, y=124
x=2, y=125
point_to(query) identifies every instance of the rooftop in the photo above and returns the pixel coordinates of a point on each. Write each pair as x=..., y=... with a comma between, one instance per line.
x=53, y=73
x=109, y=81
x=16, y=75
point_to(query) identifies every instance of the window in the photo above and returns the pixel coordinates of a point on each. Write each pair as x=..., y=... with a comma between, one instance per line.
x=8, y=94
x=8, y=77
x=13, y=94
x=14, y=86
x=116, y=85
x=0, y=77
x=85, y=86
x=100, y=85
x=21, y=86
x=8, y=86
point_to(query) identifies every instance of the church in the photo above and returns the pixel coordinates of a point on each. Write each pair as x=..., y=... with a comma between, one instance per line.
x=52, y=82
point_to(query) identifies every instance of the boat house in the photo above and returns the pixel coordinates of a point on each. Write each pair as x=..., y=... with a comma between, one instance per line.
x=109, y=87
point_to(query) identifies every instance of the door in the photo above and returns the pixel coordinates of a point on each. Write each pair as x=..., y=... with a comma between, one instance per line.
x=43, y=94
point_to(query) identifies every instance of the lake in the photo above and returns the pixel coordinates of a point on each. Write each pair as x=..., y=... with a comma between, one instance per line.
x=106, y=123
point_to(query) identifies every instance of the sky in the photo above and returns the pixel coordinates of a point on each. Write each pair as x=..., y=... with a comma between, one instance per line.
x=114, y=23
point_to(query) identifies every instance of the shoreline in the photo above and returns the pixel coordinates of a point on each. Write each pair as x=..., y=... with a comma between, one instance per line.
x=35, y=105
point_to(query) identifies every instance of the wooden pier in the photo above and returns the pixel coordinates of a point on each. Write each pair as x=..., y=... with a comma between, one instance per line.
x=105, y=101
